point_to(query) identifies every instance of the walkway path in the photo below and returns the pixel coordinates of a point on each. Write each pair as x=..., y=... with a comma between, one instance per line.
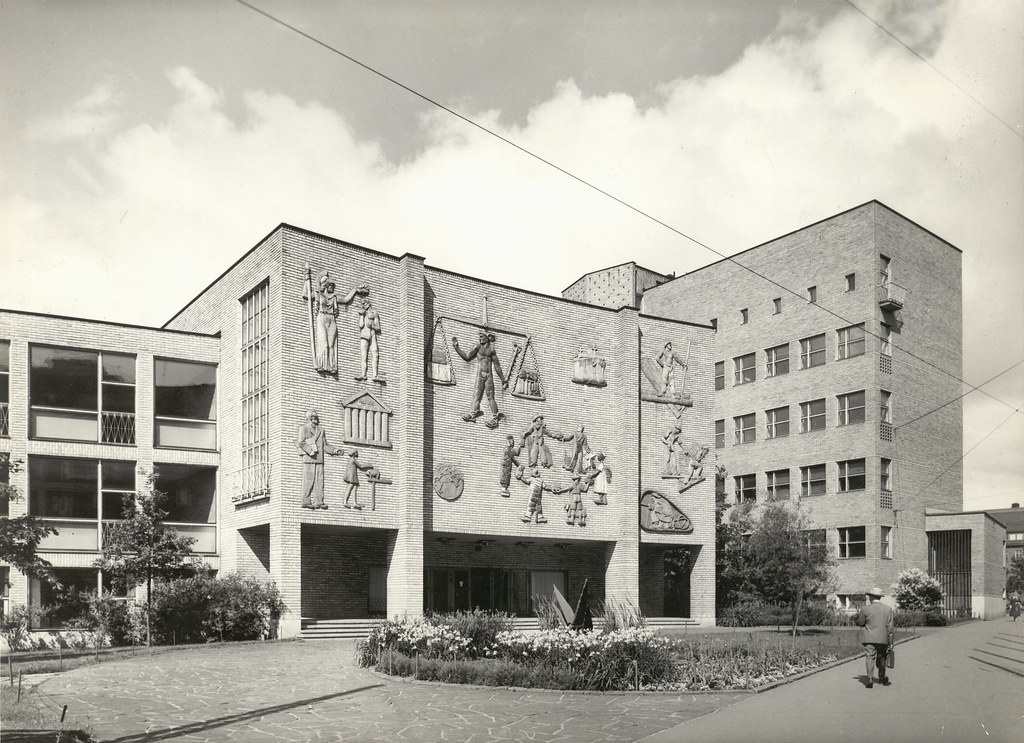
x=962, y=678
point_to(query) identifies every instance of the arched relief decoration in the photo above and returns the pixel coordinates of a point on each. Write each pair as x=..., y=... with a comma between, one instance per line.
x=440, y=369
x=367, y=421
x=658, y=514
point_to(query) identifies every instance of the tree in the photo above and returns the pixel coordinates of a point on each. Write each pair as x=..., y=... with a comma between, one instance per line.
x=141, y=549
x=1015, y=575
x=915, y=590
x=20, y=536
x=731, y=525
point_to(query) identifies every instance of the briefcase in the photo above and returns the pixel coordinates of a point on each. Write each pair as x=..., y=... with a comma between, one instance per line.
x=890, y=657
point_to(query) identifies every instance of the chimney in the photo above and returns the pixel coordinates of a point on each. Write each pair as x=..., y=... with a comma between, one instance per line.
x=1015, y=505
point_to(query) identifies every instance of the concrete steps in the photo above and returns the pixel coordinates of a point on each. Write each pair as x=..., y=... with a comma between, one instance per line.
x=358, y=629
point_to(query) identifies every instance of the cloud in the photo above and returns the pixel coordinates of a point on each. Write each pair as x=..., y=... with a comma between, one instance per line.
x=811, y=121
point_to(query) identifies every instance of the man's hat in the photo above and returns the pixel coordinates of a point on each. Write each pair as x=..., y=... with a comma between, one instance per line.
x=875, y=591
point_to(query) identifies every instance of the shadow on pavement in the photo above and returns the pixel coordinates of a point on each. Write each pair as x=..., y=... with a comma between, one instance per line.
x=199, y=727
x=996, y=665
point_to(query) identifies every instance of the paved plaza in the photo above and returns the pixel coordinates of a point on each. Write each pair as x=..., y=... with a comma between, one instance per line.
x=964, y=683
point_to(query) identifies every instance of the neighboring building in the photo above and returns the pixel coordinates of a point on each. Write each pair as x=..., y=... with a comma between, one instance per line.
x=217, y=403
x=838, y=355
x=967, y=558
x=1013, y=519
x=618, y=286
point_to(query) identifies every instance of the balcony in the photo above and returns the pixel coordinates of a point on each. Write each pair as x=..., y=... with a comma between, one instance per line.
x=80, y=425
x=251, y=483
x=891, y=297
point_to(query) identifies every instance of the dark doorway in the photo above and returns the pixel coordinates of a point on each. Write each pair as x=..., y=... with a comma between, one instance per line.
x=678, y=565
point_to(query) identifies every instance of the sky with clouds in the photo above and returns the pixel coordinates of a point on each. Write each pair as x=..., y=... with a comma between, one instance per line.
x=144, y=146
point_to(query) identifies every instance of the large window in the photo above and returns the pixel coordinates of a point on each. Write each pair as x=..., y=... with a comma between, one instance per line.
x=812, y=480
x=185, y=404
x=745, y=430
x=82, y=395
x=885, y=475
x=777, y=420
x=746, y=488
x=254, y=476
x=719, y=375
x=778, y=484
x=777, y=360
x=65, y=598
x=720, y=434
x=851, y=341
x=5, y=388
x=191, y=501
x=812, y=351
x=78, y=496
x=851, y=475
x=812, y=415
x=851, y=408
x=851, y=542
x=744, y=369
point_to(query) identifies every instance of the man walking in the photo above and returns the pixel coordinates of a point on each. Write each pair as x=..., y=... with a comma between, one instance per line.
x=878, y=629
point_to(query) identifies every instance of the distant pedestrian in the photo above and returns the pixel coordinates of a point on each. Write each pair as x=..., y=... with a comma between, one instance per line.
x=878, y=630
x=1015, y=607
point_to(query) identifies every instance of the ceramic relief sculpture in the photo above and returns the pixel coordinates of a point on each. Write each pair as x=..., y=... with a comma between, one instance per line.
x=674, y=447
x=588, y=368
x=448, y=482
x=524, y=373
x=534, y=440
x=369, y=353
x=661, y=377
x=487, y=366
x=352, y=469
x=694, y=468
x=323, y=318
x=509, y=460
x=575, y=511
x=312, y=444
x=439, y=365
x=600, y=474
x=367, y=421
x=659, y=514
x=535, y=505
x=574, y=458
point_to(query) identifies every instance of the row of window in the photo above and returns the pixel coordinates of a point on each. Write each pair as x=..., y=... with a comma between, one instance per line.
x=91, y=396
x=850, y=342
x=851, y=408
x=851, y=475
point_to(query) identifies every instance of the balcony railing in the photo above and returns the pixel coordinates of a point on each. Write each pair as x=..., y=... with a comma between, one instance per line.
x=251, y=483
x=891, y=297
x=83, y=425
x=117, y=428
x=5, y=420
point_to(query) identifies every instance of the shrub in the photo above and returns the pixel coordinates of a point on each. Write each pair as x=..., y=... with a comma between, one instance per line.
x=17, y=623
x=480, y=628
x=548, y=614
x=620, y=615
x=915, y=590
x=919, y=618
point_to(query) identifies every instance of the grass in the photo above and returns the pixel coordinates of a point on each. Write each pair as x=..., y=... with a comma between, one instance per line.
x=27, y=717
x=843, y=642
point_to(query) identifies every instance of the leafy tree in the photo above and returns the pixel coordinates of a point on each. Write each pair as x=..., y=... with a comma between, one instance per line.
x=787, y=561
x=915, y=590
x=20, y=536
x=731, y=525
x=1015, y=575
x=141, y=549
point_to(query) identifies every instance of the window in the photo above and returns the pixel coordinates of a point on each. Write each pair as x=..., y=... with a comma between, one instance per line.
x=812, y=351
x=851, y=282
x=778, y=484
x=185, y=405
x=720, y=434
x=719, y=375
x=744, y=428
x=5, y=388
x=814, y=540
x=812, y=415
x=1014, y=536
x=744, y=369
x=851, y=542
x=812, y=480
x=73, y=582
x=884, y=272
x=812, y=294
x=253, y=478
x=885, y=475
x=851, y=475
x=777, y=360
x=5, y=591
x=80, y=495
x=744, y=316
x=777, y=420
x=82, y=395
x=885, y=543
x=746, y=488
x=190, y=502
x=885, y=334
x=851, y=341
x=851, y=408
x=885, y=413
x=777, y=305
x=5, y=482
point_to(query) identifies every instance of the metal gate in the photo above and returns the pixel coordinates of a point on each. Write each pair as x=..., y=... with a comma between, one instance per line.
x=949, y=562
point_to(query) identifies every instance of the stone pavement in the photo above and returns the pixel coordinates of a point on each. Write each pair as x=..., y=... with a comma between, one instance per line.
x=955, y=684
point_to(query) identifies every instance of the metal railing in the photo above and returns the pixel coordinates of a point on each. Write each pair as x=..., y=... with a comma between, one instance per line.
x=251, y=483
x=891, y=296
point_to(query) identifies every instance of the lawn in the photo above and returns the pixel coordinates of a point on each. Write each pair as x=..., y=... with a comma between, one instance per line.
x=28, y=717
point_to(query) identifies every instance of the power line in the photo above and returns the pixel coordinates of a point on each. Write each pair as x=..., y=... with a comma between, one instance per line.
x=939, y=72
x=586, y=183
x=961, y=397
